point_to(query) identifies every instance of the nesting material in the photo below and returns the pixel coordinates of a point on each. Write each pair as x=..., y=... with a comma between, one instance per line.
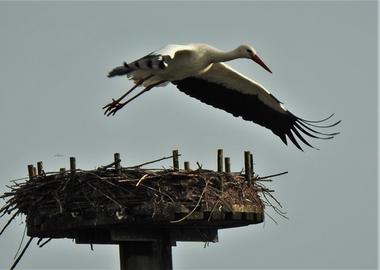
x=94, y=206
x=133, y=195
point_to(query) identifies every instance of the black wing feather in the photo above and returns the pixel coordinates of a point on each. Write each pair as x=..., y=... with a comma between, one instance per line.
x=249, y=107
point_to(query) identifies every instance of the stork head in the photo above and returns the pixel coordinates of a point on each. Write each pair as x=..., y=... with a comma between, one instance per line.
x=246, y=51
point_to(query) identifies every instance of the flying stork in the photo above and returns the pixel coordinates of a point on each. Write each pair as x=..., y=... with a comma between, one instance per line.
x=199, y=71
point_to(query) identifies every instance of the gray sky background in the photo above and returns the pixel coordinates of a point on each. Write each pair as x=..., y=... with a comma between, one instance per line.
x=54, y=58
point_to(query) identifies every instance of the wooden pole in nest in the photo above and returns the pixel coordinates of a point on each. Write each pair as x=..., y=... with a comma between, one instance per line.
x=30, y=171
x=220, y=160
x=186, y=165
x=117, y=160
x=251, y=161
x=73, y=165
x=39, y=167
x=220, y=167
x=175, y=160
x=247, y=167
x=227, y=165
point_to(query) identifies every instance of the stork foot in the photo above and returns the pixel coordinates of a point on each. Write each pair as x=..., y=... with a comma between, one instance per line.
x=113, y=107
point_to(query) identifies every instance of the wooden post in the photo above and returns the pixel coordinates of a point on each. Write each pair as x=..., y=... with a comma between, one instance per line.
x=30, y=171
x=73, y=165
x=220, y=167
x=117, y=160
x=227, y=165
x=34, y=171
x=247, y=166
x=146, y=255
x=220, y=160
x=186, y=165
x=175, y=160
x=251, y=160
x=39, y=168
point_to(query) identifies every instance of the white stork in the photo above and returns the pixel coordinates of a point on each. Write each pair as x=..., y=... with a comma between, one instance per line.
x=198, y=71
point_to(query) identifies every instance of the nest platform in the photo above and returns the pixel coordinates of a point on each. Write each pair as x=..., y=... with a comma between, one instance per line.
x=135, y=207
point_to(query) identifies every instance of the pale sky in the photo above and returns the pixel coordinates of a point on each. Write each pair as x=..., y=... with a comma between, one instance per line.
x=54, y=58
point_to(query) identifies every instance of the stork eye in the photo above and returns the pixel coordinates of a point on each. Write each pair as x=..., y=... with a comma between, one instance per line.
x=249, y=50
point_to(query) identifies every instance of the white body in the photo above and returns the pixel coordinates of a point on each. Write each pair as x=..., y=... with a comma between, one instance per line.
x=203, y=61
x=198, y=70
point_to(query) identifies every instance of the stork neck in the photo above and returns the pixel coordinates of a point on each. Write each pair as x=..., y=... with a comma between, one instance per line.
x=221, y=56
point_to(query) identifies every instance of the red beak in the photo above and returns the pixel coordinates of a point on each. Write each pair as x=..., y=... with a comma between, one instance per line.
x=260, y=62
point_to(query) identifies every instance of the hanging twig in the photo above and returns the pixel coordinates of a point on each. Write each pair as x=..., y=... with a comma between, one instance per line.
x=9, y=222
x=266, y=213
x=44, y=243
x=21, y=254
x=22, y=241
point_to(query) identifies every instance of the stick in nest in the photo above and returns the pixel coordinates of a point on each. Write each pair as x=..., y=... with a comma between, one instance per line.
x=150, y=162
x=195, y=207
x=141, y=179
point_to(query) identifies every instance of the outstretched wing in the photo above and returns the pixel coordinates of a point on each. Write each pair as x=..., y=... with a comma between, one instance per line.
x=157, y=60
x=226, y=89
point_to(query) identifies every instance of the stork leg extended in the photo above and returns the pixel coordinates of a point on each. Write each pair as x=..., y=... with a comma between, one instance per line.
x=116, y=102
x=115, y=107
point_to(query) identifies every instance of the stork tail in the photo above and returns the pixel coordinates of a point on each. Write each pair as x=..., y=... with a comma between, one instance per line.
x=120, y=71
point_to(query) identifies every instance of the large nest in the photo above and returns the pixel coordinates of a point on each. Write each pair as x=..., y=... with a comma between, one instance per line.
x=132, y=193
x=64, y=203
x=135, y=195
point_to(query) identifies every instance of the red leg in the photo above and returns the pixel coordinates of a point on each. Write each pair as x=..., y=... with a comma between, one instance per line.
x=116, y=103
x=121, y=105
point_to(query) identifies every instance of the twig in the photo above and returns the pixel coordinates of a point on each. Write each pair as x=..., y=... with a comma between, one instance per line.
x=108, y=166
x=9, y=222
x=110, y=198
x=39, y=241
x=271, y=217
x=22, y=240
x=156, y=190
x=44, y=243
x=21, y=254
x=150, y=162
x=213, y=209
x=196, y=206
x=274, y=199
x=141, y=179
x=278, y=211
x=269, y=176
